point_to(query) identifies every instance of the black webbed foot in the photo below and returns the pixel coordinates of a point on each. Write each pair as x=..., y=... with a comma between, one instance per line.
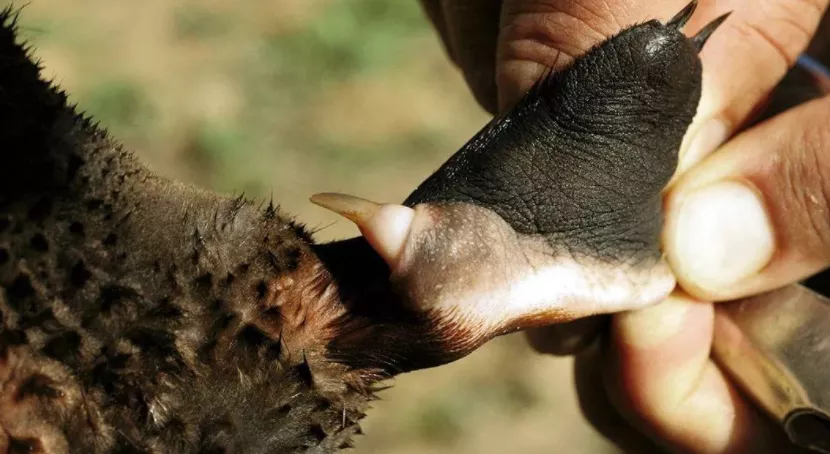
x=553, y=211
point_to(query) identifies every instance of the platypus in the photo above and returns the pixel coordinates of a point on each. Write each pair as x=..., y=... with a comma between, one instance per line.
x=142, y=315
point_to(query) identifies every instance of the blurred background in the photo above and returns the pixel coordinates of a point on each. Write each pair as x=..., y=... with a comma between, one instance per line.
x=285, y=98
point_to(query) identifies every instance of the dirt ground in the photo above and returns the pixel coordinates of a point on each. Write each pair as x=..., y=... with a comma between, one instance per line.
x=285, y=98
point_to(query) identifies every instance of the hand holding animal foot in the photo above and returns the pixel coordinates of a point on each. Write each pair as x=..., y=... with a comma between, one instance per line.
x=139, y=314
x=504, y=46
x=553, y=211
x=758, y=217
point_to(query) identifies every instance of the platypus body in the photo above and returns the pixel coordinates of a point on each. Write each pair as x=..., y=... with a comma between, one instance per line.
x=141, y=315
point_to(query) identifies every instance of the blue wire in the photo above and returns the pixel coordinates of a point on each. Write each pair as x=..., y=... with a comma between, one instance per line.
x=812, y=65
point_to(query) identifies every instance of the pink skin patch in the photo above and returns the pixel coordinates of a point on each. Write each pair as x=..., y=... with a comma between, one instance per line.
x=466, y=266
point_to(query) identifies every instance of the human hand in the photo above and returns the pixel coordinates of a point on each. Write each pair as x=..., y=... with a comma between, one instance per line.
x=655, y=365
x=504, y=46
x=654, y=368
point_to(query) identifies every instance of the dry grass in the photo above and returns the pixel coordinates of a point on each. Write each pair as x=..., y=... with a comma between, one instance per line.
x=291, y=97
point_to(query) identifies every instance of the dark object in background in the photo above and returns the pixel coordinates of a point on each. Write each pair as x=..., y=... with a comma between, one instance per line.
x=143, y=315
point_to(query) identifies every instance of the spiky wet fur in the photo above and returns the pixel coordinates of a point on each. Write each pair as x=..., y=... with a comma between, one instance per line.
x=143, y=315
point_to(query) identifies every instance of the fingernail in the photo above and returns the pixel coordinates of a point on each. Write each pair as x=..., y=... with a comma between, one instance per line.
x=719, y=235
x=704, y=139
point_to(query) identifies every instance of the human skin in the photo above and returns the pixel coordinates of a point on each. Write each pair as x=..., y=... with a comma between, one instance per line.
x=746, y=212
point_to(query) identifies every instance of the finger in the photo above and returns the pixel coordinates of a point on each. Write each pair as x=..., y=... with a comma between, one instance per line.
x=756, y=215
x=743, y=62
x=538, y=35
x=598, y=409
x=472, y=28
x=660, y=377
x=740, y=65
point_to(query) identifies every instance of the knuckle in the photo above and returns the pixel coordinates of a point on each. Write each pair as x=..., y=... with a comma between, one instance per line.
x=554, y=33
x=814, y=166
x=803, y=176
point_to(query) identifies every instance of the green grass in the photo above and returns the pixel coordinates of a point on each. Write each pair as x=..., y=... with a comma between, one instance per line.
x=349, y=38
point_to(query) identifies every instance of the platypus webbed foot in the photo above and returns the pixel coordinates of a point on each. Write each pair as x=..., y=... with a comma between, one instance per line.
x=553, y=211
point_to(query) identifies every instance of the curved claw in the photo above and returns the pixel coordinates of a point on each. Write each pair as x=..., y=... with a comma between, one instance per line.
x=699, y=40
x=680, y=19
x=385, y=227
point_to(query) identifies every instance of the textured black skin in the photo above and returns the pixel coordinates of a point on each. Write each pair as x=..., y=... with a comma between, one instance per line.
x=583, y=158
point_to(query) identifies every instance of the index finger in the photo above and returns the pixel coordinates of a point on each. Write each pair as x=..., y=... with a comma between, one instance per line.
x=659, y=375
x=541, y=35
x=741, y=63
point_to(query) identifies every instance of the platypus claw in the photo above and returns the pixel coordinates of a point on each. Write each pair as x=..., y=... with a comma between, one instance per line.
x=679, y=20
x=703, y=35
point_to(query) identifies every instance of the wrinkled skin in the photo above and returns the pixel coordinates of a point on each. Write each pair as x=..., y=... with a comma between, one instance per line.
x=553, y=211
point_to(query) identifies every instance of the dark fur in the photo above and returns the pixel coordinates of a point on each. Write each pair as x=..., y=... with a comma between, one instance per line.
x=142, y=315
